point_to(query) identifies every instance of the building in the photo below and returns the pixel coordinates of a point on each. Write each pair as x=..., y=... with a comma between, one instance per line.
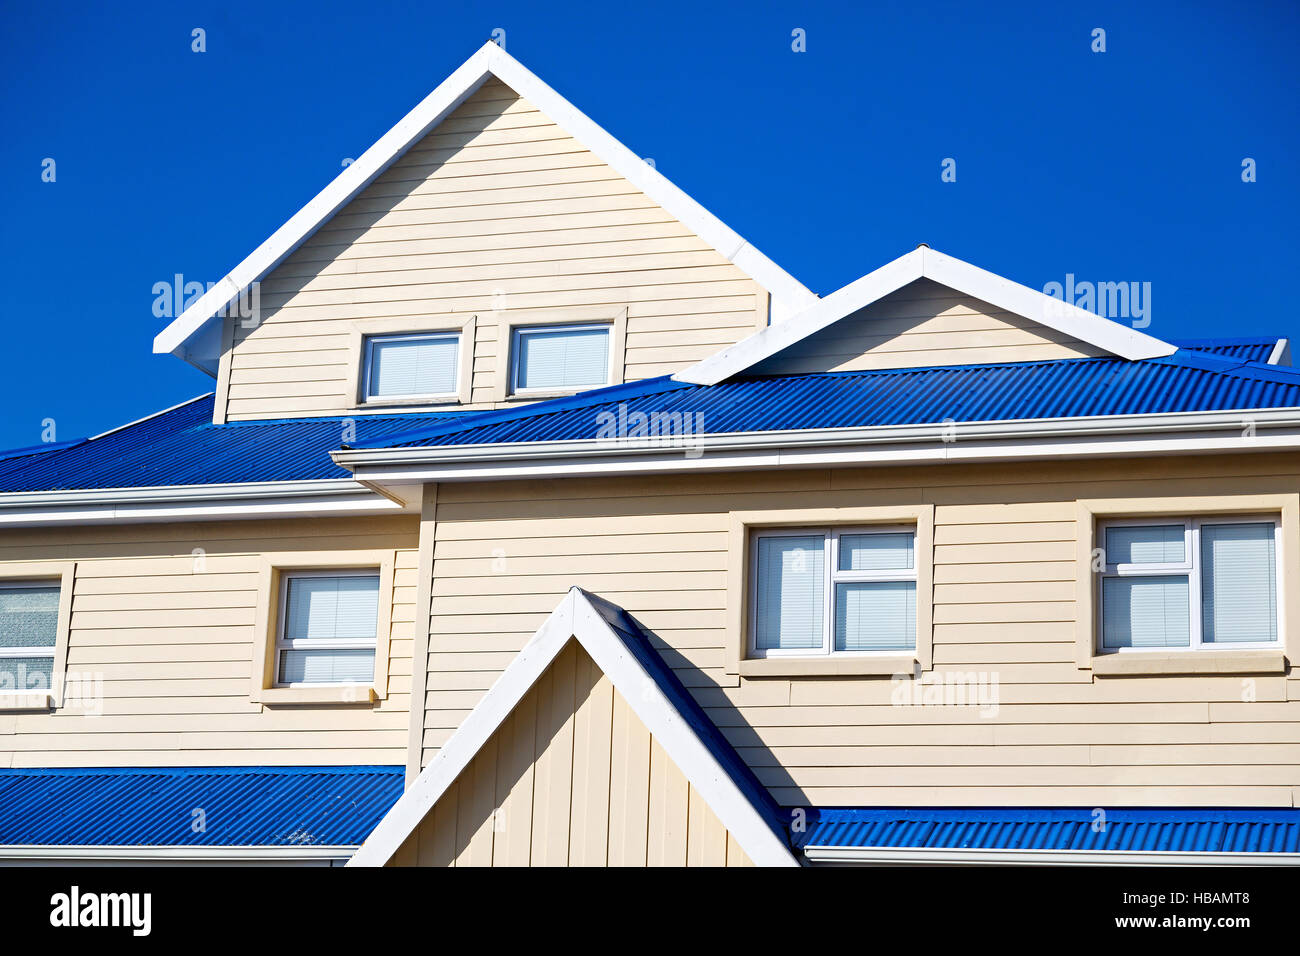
x=538, y=518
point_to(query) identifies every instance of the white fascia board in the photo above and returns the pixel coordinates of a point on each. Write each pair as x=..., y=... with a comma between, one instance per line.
x=64, y=855
x=576, y=618
x=926, y=263
x=1120, y=435
x=876, y=856
x=789, y=296
x=271, y=499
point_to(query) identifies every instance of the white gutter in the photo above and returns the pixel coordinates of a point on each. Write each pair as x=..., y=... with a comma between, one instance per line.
x=265, y=499
x=30, y=854
x=1170, y=433
x=877, y=856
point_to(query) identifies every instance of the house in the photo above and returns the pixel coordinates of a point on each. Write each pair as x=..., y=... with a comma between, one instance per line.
x=537, y=518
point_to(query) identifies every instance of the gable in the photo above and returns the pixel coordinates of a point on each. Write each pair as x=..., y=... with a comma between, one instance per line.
x=572, y=777
x=497, y=213
x=925, y=323
x=1044, y=313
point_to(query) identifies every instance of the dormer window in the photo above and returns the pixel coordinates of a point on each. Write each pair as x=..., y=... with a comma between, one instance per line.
x=412, y=366
x=560, y=358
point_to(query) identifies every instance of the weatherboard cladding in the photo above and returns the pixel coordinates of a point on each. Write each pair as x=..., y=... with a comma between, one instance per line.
x=1130, y=829
x=1069, y=388
x=242, y=806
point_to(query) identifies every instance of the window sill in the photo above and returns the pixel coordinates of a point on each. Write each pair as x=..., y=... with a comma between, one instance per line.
x=413, y=402
x=317, y=695
x=829, y=666
x=34, y=700
x=1190, y=662
x=545, y=394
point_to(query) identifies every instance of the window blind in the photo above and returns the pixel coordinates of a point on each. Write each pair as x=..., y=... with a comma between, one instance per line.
x=1145, y=544
x=875, y=615
x=1146, y=611
x=562, y=358
x=790, y=592
x=415, y=365
x=1238, y=583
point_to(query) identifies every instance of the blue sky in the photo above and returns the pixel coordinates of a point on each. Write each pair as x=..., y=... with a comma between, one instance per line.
x=1115, y=166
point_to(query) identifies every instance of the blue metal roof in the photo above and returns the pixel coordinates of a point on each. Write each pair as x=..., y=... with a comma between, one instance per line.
x=181, y=446
x=1183, y=829
x=1186, y=381
x=242, y=806
x=639, y=643
x=1246, y=349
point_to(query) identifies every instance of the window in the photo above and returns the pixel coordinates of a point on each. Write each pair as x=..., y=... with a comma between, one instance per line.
x=833, y=591
x=422, y=365
x=328, y=628
x=1189, y=583
x=29, y=626
x=560, y=358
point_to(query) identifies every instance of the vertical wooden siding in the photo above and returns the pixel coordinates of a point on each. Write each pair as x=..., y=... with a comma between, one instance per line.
x=171, y=636
x=496, y=208
x=572, y=778
x=926, y=323
x=1005, y=546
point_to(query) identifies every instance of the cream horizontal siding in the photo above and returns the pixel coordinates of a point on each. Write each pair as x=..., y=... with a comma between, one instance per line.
x=496, y=209
x=925, y=323
x=571, y=778
x=170, y=637
x=1005, y=547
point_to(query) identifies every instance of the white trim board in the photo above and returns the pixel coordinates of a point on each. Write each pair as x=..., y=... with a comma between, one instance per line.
x=265, y=499
x=179, y=338
x=171, y=855
x=927, y=263
x=577, y=618
x=949, y=856
x=1123, y=435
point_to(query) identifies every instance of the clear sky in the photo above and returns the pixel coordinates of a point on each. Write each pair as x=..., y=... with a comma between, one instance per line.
x=1117, y=166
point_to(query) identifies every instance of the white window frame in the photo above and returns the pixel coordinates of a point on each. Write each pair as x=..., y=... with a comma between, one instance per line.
x=52, y=650
x=517, y=333
x=319, y=643
x=367, y=364
x=831, y=576
x=1191, y=567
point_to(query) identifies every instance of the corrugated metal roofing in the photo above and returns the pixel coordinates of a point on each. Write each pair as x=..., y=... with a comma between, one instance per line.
x=242, y=806
x=181, y=446
x=1183, y=829
x=640, y=644
x=1069, y=388
x=1246, y=349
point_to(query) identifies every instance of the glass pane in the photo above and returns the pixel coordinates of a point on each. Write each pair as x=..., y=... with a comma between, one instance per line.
x=25, y=673
x=568, y=358
x=1146, y=544
x=877, y=551
x=1238, y=583
x=327, y=666
x=346, y=607
x=413, y=366
x=1146, y=611
x=29, y=617
x=789, y=590
x=875, y=616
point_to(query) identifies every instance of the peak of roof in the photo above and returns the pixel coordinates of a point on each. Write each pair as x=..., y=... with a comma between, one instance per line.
x=191, y=335
x=926, y=263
